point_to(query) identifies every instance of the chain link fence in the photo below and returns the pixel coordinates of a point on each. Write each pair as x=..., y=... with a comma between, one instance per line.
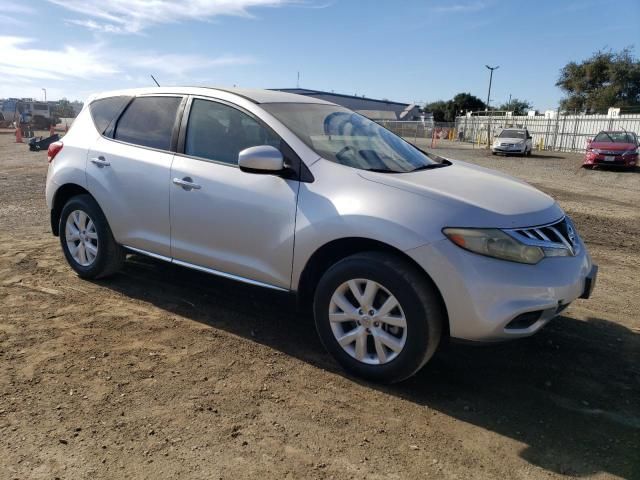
x=562, y=133
x=431, y=132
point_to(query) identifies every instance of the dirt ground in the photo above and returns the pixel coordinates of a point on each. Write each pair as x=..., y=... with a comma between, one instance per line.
x=162, y=372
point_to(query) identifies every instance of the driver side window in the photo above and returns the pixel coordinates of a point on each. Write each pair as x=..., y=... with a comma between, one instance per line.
x=219, y=132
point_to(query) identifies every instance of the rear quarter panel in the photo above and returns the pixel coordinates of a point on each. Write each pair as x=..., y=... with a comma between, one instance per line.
x=70, y=164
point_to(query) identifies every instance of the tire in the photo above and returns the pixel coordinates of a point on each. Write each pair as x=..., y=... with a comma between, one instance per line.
x=108, y=257
x=493, y=153
x=419, y=308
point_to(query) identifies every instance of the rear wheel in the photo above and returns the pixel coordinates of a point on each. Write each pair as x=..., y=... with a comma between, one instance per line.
x=379, y=316
x=86, y=239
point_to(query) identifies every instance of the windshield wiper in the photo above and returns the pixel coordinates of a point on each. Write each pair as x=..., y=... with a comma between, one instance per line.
x=431, y=166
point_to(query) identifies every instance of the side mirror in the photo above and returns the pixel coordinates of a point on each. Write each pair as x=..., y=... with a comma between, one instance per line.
x=261, y=159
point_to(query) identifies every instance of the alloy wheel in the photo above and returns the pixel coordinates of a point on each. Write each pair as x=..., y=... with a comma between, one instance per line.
x=81, y=237
x=367, y=321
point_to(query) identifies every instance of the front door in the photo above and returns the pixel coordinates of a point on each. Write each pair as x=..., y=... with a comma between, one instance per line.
x=236, y=223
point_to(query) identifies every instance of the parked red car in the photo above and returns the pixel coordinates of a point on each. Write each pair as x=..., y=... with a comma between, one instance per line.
x=619, y=149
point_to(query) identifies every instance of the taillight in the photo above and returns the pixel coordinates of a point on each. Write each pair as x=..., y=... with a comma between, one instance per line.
x=53, y=150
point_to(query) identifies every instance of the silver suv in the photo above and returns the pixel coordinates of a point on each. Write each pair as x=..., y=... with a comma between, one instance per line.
x=396, y=249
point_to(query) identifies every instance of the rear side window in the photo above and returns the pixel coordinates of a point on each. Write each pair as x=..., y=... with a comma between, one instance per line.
x=104, y=111
x=149, y=122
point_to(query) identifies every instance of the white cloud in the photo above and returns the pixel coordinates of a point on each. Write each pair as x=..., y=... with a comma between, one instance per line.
x=8, y=20
x=19, y=14
x=179, y=65
x=20, y=61
x=17, y=8
x=74, y=69
x=133, y=16
x=468, y=7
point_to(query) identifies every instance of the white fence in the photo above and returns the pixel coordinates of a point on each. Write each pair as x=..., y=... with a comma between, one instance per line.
x=565, y=133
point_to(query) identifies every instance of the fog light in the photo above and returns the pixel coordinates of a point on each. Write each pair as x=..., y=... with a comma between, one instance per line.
x=524, y=320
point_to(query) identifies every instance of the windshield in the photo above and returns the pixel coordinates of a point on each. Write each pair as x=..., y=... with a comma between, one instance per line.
x=512, y=134
x=344, y=137
x=615, y=137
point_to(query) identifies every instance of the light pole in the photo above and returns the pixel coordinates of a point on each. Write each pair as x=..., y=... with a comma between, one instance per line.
x=490, y=80
x=45, y=94
x=488, y=99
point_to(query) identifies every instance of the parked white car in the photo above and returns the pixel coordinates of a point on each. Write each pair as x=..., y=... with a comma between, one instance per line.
x=395, y=249
x=514, y=141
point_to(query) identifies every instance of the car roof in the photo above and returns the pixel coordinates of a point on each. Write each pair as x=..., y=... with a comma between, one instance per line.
x=254, y=95
x=617, y=131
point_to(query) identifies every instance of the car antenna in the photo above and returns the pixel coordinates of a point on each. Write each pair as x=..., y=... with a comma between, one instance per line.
x=154, y=79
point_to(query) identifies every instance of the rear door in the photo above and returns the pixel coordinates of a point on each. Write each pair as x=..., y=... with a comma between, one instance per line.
x=128, y=172
x=236, y=223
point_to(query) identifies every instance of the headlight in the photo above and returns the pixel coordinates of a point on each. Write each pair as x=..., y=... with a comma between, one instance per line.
x=631, y=152
x=494, y=243
x=595, y=150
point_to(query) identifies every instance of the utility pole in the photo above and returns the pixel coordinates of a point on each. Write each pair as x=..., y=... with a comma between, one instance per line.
x=509, y=105
x=490, y=80
x=298, y=81
x=488, y=100
x=45, y=94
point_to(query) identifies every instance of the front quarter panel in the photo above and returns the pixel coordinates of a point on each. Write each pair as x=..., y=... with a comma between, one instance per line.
x=342, y=204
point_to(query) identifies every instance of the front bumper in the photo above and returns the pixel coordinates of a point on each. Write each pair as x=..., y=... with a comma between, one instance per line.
x=505, y=149
x=611, y=160
x=492, y=300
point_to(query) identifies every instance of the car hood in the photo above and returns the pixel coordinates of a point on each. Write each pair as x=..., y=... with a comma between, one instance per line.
x=613, y=146
x=509, y=140
x=477, y=196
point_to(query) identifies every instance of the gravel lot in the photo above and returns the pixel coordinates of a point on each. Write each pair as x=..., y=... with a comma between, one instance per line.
x=161, y=372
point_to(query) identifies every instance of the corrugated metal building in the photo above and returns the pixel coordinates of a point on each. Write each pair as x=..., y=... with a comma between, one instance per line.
x=369, y=107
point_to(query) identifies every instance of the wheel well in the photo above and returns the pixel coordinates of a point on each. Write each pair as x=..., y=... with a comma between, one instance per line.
x=334, y=251
x=62, y=196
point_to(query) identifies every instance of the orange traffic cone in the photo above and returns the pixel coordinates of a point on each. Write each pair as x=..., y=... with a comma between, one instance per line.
x=18, y=135
x=52, y=131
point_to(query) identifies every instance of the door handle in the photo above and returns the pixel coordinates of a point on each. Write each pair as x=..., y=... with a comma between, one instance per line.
x=186, y=183
x=100, y=161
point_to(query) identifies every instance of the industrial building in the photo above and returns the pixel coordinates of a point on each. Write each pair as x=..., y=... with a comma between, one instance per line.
x=369, y=107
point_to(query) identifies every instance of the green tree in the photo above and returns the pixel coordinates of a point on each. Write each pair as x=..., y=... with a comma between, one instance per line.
x=63, y=109
x=446, y=111
x=606, y=79
x=439, y=110
x=464, y=102
x=517, y=106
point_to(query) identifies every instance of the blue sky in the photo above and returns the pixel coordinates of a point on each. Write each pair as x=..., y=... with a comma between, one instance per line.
x=403, y=50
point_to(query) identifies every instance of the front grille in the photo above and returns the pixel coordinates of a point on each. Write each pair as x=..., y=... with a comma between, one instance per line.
x=610, y=152
x=559, y=234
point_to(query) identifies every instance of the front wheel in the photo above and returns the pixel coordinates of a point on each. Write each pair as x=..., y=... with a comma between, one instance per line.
x=379, y=316
x=87, y=241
